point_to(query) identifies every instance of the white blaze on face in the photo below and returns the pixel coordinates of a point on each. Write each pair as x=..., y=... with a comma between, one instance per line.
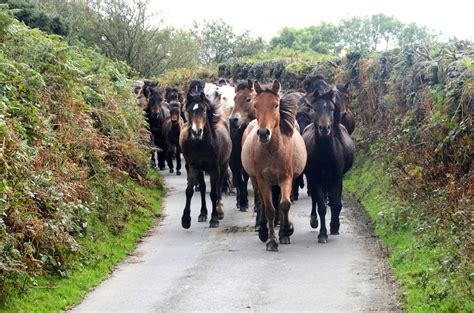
x=195, y=107
x=194, y=127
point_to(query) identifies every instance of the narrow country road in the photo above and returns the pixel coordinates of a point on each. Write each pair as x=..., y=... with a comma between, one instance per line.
x=227, y=269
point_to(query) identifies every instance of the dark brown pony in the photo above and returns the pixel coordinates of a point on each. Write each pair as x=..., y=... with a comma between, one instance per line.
x=156, y=111
x=172, y=93
x=273, y=153
x=242, y=113
x=343, y=99
x=206, y=146
x=171, y=131
x=330, y=155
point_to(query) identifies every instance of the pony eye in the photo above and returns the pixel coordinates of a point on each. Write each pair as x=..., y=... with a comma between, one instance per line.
x=225, y=98
x=247, y=100
x=275, y=106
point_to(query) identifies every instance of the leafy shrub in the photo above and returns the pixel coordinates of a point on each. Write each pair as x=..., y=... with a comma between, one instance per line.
x=71, y=138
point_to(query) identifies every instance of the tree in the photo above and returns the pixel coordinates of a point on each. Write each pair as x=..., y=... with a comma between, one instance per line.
x=414, y=34
x=28, y=12
x=220, y=43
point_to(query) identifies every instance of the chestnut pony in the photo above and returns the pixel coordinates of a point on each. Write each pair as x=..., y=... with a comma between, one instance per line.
x=273, y=153
x=206, y=147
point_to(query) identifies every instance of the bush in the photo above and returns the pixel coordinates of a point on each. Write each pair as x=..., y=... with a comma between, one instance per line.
x=71, y=140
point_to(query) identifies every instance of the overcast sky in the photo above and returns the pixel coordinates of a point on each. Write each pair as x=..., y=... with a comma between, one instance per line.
x=265, y=18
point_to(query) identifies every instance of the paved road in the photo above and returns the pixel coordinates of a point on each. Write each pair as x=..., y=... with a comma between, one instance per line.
x=228, y=269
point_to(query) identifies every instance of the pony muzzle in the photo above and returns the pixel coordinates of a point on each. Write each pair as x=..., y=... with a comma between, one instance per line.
x=197, y=133
x=264, y=135
x=324, y=130
x=235, y=122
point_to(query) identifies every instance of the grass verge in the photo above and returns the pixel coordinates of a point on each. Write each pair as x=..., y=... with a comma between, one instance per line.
x=422, y=262
x=101, y=251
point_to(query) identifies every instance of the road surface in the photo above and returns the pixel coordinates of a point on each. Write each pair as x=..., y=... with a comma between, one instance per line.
x=227, y=269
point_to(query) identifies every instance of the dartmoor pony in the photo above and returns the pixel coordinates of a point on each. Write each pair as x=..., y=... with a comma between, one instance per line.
x=273, y=153
x=171, y=131
x=157, y=111
x=172, y=93
x=330, y=155
x=343, y=99
x=223, y=95
x=241, y=115
x=206, y=146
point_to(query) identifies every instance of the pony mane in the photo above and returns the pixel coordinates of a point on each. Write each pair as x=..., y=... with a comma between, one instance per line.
x=315, y=82
x=196, y=86
x=288, y=108
x=243, y=84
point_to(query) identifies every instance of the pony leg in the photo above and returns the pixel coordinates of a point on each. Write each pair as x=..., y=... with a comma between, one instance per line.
x=314, y=216
x=295, y=188
x=186, y=218
x=266, y=194
x=220, y=183
x=321, y=199
x=335, y=193
x=286, y=226
x=241, y=190
x=245, y=194
x=261, y=219
x=214, y=222
x=276, y=195
x=178, y=160
x=169, y=158
x=202, y=188
x=161, y=157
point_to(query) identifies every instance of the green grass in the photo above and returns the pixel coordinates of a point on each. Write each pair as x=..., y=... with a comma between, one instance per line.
x=420, y=259
x=101, y=251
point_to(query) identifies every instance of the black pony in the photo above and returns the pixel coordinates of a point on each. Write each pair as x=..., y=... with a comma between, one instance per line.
x=157, y=111
x=330, y=155
x=206, y=147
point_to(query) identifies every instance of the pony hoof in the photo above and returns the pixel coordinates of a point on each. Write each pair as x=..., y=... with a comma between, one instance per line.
x=186, y=221
x=244, y=208
x=285, y=240
x=178, y=173
x=290, y=230
x=263, y=234
x=314, y=222
x=162, y=168
x=220, y=210
x=171, y=171
x=202, y=218
x=334, y=228
x=323, y=239
x=272, y=245
x=213, y=223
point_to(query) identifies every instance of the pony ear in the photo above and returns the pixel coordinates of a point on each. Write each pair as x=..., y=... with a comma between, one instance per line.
x=250, y=84
x=257, y=87
x=276, y=87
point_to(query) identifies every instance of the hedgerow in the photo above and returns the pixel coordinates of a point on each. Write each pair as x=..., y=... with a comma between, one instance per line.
x=414, y=111
x=71, y=142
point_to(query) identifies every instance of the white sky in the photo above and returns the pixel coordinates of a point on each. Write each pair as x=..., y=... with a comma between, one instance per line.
x=266, y=18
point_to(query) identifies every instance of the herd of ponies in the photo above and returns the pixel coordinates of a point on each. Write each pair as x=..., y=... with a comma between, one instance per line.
x=252, y=131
